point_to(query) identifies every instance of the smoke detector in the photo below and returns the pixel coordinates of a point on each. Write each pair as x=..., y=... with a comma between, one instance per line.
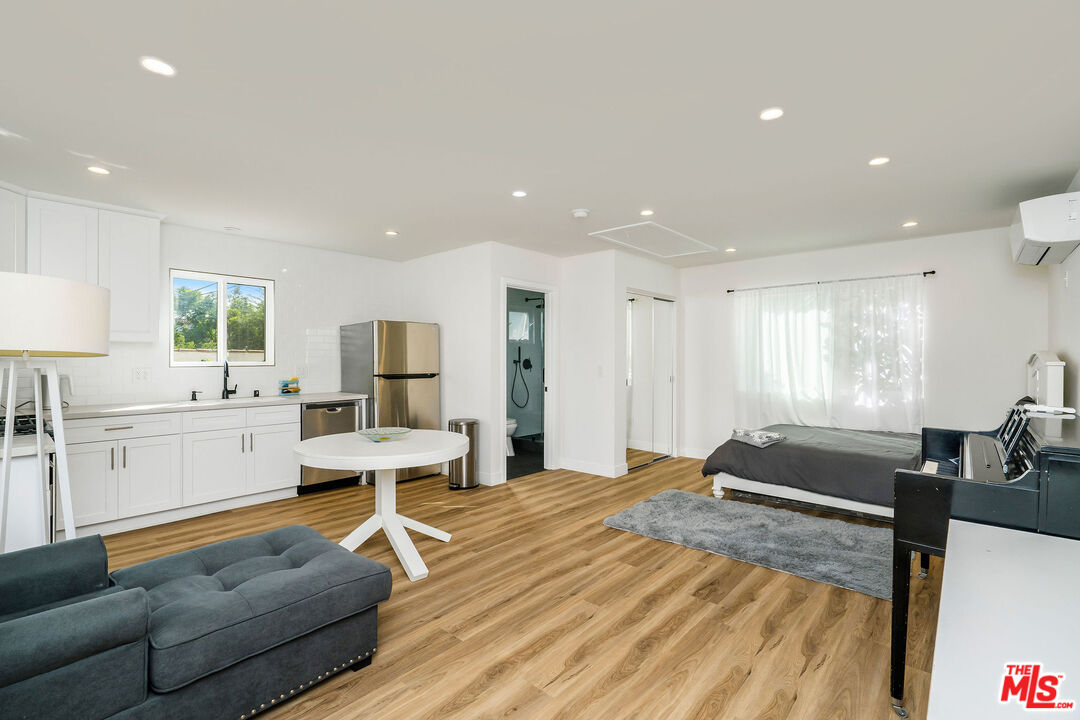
x=579, y=213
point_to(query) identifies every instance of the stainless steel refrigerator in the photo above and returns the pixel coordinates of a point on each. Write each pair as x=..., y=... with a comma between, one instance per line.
x=397, y=365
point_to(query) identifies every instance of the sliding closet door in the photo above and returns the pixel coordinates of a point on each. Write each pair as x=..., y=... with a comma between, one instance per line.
x=639, y=373
x=663, y=384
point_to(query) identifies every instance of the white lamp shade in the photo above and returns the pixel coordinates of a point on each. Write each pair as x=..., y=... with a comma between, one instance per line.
x=52, y=317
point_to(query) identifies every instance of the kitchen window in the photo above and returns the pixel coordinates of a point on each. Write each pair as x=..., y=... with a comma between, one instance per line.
x=218, y=318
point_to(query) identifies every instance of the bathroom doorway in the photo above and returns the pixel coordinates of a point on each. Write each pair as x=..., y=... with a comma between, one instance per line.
x=526, y=380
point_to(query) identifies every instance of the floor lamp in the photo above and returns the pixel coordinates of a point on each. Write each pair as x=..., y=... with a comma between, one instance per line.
x=42, y=318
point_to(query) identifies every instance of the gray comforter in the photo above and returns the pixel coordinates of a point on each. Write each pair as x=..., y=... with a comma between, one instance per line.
x=851, y=464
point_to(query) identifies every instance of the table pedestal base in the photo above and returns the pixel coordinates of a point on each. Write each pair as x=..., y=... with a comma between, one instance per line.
x=387, y=518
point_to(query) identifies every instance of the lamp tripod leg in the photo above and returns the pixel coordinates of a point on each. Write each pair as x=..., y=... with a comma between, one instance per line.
x=63, y=479
x=5, y=472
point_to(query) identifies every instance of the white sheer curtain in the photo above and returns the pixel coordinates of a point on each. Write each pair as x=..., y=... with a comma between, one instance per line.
x=844, y=354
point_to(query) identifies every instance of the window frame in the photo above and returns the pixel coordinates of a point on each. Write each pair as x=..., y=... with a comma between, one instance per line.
x=223, y=281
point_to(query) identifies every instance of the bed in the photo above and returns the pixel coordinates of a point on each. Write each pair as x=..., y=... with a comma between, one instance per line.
x=850, y=470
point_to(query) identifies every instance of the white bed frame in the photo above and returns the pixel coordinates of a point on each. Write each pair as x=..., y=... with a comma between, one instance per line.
x=722, y=481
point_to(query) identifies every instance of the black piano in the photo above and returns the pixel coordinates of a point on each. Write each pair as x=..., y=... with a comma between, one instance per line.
x=1023, y=475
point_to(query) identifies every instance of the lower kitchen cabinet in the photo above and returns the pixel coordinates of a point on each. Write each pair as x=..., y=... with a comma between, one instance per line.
x=215, y=465
x=148, y=475
x=92, y=468
x=272, y=465
x=221, y=464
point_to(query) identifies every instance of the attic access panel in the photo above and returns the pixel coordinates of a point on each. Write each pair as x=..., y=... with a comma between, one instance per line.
x=654, y=239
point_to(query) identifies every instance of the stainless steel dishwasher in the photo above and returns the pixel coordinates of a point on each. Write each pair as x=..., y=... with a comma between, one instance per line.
x=329, y=418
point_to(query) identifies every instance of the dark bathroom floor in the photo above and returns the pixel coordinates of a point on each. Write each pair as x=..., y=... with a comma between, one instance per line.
x=528, y=457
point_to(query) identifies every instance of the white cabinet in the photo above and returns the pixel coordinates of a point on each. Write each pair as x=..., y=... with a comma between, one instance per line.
x=12, y=231
x=62, y=240
x=271, y=463
x=220, y=464
x=149, y=477
x=92, y=467
x=113, y=249
x=215, y=465
x=128, y=252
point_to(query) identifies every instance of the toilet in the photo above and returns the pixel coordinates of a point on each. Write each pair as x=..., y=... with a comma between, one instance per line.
x=511, y=428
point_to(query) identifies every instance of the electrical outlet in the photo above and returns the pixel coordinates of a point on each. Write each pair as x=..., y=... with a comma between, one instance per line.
x=140, y=375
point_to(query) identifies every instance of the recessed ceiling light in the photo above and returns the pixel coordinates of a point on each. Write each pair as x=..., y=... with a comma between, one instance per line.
x=98, y=170
x=646, y=213
x=231, y=228
x=519, y=193
x=879, y=161
x=771, y=113
x=729, y=249
x=391, y=233
x=910, y=223
x=284, y=270
x=157, y=66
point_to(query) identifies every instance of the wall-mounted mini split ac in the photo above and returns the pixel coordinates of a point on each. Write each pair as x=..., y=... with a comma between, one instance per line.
x=654, y=239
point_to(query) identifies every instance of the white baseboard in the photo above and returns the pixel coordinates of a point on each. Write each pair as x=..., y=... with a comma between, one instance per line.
x=695, y=453
x=491, y=478
x=112, y=527
x=592, y=468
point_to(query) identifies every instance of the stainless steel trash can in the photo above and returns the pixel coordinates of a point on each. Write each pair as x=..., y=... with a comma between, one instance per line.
x=463, y=470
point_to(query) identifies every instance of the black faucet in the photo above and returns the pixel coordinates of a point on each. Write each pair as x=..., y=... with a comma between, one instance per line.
x=225, y=391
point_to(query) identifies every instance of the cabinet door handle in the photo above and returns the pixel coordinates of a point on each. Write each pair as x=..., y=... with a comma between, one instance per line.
x=251, y=441
x=241, y=442
x=125, y=457
x=124, y=427
x=112, y=458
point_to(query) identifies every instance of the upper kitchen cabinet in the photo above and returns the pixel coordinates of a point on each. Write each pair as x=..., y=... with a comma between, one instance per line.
x=12, y=231
x=117, y=250
x=62, y=240
x=128, y=251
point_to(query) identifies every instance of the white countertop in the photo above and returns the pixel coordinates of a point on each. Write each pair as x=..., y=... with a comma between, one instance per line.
x=1007, y=597
x=79, y=412
x=22, y=445
x=351, y=451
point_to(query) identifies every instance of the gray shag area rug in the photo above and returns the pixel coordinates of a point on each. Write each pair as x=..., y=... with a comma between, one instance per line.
x=856, y=557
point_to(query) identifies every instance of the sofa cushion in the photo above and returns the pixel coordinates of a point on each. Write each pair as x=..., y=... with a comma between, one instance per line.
x=217, y=605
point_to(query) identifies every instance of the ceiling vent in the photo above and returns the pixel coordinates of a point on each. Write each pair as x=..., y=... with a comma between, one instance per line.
x=655, y=239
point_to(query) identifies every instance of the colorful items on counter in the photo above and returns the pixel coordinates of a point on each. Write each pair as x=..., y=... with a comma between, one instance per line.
x=290, y=386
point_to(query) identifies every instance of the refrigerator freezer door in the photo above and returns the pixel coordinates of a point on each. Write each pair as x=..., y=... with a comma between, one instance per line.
x=411, y=403
x=406, y=348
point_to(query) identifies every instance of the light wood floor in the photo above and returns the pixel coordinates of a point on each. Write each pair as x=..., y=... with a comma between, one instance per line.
x=536, y=610
x=637, y=458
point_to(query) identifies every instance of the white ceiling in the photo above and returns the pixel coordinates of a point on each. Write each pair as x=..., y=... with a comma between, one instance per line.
x=326, y=123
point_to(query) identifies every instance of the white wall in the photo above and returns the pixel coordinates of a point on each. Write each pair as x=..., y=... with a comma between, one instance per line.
x=1064, y=319
x=985, y=315
x=594, y=288
x=1065, y=322
x=316, y=291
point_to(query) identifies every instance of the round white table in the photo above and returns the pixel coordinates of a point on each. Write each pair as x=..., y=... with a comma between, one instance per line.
x=350, y=451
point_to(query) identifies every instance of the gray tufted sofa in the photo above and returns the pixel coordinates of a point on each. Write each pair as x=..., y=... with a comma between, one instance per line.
x=223, y=631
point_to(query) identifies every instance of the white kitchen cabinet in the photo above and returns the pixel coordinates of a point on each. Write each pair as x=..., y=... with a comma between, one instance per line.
x=149, y=476
x=271, y=463
x=129, y=247
x=117, y=250
x=12, y=231
x=62, y=240
x=93, y=471
x=215, y=465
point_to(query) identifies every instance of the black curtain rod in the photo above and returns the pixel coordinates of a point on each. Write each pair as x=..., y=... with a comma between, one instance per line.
x=925, y=273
